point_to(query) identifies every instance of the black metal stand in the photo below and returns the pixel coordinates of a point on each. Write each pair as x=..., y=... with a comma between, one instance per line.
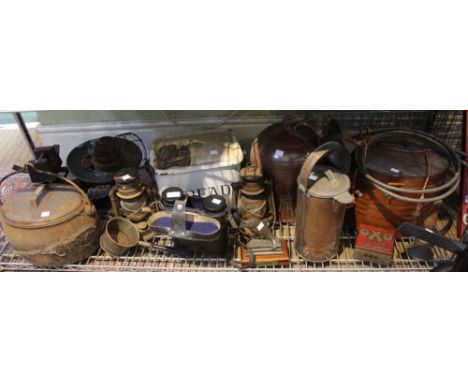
x=24, y=130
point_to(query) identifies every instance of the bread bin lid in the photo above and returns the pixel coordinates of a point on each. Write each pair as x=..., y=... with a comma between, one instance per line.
x=43, y=206
x=207, y=150
x=329, y=183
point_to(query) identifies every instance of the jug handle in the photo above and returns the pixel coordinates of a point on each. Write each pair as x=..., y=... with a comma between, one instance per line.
x=311, y=126
x=292, y=125
x=319, y=153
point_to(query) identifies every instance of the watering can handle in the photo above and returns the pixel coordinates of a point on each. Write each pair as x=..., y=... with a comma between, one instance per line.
x=320, y=152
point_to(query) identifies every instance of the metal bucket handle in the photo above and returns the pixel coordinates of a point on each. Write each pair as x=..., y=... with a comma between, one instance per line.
x=68, y=181
x=178, y=219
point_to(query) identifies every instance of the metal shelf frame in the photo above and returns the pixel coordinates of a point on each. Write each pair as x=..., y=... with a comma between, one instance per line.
x=142, y=259
x=445, y=125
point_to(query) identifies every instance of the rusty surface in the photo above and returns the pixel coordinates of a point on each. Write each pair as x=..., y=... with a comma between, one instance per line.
x=53, y=205
x=57, y=245
x=119, y=236
x=319, y=220
x=51, y=226
x=318, y=228
x=406, y=166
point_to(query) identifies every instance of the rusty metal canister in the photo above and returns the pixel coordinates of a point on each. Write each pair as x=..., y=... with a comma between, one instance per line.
x=400, y=162
x=51, y=224
x=322, y=199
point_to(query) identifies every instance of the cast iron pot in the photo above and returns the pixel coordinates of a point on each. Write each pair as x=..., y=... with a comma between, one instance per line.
x=51, y=224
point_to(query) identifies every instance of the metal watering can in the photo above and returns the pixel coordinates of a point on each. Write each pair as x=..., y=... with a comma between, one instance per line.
x=322, y=199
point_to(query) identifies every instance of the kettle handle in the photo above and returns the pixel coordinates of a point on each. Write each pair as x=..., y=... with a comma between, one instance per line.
x=71, y=183
x=320, y=152
x=6, y=177
x=63, y=179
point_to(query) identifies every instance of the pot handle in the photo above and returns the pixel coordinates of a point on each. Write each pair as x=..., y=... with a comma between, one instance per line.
x=319, y=153
x=63, y=179
x=6, y=177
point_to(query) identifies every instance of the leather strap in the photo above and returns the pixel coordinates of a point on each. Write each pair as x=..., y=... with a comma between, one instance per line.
x=320, y=152
x=178, y=219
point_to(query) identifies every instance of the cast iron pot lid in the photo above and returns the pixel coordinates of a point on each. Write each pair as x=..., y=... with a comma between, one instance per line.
x=57, y=204
x=128, y=150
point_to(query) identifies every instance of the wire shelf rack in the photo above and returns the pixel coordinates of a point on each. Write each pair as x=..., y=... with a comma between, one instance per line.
x=143, y=259
x=446, y=125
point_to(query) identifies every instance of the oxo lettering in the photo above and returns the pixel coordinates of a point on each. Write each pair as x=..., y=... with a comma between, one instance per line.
x=376, y=235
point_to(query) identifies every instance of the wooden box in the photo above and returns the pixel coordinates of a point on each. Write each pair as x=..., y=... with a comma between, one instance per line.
x=263, y=258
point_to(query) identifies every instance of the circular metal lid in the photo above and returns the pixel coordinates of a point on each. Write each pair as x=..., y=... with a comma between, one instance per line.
x=214, y=203
x=327, y=182
x=171, y=194
x=33, y=207
x=400, y=158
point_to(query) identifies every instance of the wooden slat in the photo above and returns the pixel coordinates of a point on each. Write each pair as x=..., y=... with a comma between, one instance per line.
x=13, y=148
